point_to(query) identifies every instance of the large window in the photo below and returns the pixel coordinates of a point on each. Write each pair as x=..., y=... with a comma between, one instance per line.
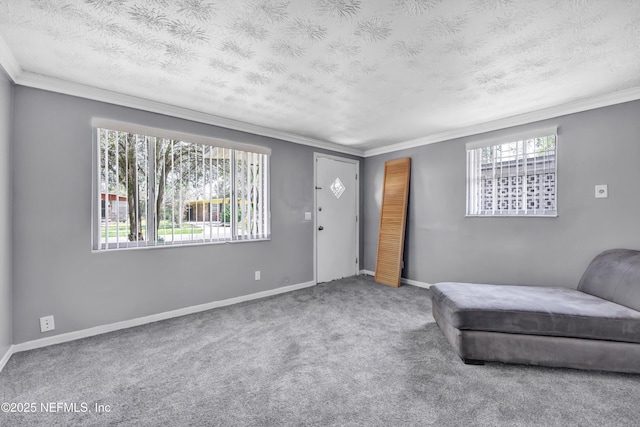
x=159, y=188
x=516, y=177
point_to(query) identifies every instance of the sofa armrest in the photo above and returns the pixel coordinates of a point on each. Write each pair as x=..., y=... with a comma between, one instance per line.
x=614, y=275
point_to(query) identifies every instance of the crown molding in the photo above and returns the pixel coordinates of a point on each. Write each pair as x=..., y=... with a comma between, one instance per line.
x=619, y=97
x=52, y=84
x=8, y=62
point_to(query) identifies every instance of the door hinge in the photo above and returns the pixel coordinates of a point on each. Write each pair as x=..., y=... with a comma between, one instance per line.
x=356, y=260
x=356, y=218
x=356, y=177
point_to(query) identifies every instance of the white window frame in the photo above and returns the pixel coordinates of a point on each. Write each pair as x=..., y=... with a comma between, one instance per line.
x=474, y=177
x=233, y=146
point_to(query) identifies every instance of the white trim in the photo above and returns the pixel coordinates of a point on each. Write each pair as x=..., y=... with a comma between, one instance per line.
x=424, y=285
x=98, y=122
x=6, y=357
x=403, y=280
x=19, y=77
x=618, y=97
x=89, y=92
x=355, y=162
x=508, y=215
x=8, y=62
x=76, y=335
x=512, y=137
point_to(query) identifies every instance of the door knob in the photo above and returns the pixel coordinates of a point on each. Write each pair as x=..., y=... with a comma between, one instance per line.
x=321, y=228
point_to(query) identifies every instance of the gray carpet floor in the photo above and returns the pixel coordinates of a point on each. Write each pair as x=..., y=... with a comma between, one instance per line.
x=349, y=352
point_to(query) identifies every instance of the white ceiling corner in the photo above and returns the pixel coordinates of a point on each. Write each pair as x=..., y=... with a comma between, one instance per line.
x=8, y=62
x=359, y=77
x=606, y=100
x=91, y=92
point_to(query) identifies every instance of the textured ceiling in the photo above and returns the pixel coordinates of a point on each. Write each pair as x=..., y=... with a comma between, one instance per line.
x=360, y=73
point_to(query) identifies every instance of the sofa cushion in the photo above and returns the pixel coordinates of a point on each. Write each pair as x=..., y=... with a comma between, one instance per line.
x=534, y=310
x=615, y=276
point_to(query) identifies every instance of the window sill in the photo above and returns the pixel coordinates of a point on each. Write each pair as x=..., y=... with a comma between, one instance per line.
x=555, y=215
x=178, y=245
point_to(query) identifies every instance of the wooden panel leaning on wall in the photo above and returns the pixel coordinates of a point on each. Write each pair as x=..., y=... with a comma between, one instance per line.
x=393, y=218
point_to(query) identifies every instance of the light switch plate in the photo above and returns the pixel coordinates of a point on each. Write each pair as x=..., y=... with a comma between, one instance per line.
x=602, y=192
x=307, y=216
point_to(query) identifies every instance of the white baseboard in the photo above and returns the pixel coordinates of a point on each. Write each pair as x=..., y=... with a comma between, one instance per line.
x=71, y=336
x=6, y=357
x=416, y=283
x=403, y=280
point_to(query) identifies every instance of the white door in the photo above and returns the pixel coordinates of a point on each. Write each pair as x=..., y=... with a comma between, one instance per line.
x=336, y=219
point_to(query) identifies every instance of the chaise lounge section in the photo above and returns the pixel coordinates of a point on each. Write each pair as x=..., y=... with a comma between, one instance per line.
x=596, y=326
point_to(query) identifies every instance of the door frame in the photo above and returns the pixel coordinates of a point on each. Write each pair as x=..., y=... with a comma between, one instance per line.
x=355, y=162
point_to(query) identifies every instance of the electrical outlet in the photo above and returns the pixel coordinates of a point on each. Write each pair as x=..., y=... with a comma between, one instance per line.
x=602, y=191
x=47, y=324
x=258, y=275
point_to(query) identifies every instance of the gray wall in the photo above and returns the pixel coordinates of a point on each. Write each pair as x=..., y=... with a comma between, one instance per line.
x=595, y=147
x=54, y=269
x=6, y=324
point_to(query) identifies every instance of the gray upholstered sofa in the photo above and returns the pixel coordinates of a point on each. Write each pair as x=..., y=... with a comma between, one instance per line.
x=596, y=326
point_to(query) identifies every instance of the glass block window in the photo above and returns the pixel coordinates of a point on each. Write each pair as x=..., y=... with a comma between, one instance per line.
x=514, y=178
